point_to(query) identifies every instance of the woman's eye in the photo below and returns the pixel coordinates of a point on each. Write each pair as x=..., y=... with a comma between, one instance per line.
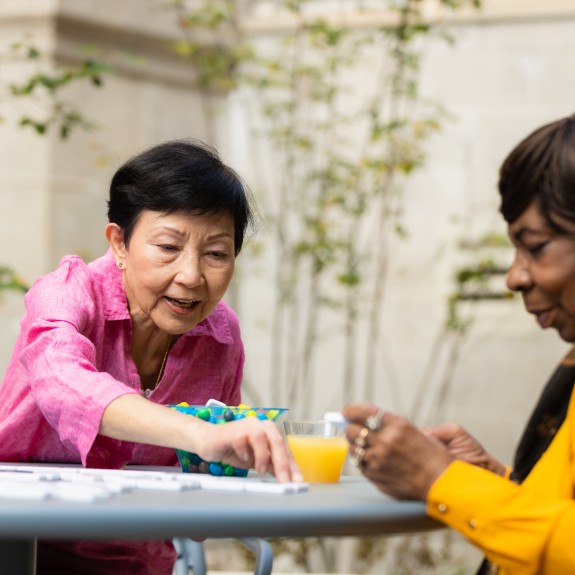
x=217, y=254
x=168, y=248
x=536, y=248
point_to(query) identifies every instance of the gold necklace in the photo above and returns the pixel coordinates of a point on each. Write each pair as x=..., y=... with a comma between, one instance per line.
x=147, y=392
x=161, y=372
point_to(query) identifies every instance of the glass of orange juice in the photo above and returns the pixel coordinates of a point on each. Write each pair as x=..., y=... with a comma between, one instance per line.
x=318, y=447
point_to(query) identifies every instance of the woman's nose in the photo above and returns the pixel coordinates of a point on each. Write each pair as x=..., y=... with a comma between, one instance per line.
x=190, y=272
x=518, y=276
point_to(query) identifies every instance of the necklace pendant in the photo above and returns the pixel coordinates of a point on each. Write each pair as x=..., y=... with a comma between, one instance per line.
x=148, y=392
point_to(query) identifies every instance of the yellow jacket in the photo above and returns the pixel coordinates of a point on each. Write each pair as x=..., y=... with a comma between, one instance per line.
x=523, y=529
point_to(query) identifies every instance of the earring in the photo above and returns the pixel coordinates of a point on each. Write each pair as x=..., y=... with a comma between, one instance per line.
x=120, y=265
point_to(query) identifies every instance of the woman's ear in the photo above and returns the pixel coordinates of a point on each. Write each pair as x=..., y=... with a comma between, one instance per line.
x=115, y=237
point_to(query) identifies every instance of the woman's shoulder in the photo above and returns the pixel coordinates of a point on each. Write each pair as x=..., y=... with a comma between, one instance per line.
x=73, y=284
x=72, y=270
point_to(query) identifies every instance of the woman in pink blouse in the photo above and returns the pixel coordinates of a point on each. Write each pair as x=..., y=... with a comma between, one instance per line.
x=105, y=346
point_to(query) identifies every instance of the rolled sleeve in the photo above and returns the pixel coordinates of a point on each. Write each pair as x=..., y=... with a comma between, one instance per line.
x=71, y=393
x=72, y=359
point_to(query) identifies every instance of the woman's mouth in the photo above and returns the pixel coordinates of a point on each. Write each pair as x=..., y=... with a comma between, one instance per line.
x=543, y=318
x=181, y=303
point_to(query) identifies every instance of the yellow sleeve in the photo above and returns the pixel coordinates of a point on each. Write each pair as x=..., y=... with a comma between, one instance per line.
x=519, y=530
x=560, y=554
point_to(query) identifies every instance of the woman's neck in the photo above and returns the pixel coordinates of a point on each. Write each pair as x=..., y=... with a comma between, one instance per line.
x=150, y=352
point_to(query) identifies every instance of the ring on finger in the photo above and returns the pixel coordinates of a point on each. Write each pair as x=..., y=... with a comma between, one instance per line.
x=357, y=456
x=373, y=422
x=361, y=438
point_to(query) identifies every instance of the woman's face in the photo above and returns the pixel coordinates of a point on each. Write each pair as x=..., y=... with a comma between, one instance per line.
x=177, y=267
x=543, y=270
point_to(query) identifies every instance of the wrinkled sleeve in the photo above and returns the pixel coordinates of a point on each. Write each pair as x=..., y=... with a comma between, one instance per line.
x=520, y=530
x=60, y=360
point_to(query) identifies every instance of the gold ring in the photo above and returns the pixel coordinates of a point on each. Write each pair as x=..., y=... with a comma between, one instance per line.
x=373, y=422
x=360, y=439
x=357, y=456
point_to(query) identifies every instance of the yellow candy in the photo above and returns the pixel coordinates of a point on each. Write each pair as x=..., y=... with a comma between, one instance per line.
x=184, y=404
x=272, y=413
x=251, y=413
x=243, y=406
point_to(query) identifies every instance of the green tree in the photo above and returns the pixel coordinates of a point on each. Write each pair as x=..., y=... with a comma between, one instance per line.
x=337, y=204
x=42, y=105
x=336, y=207
x=42, y=90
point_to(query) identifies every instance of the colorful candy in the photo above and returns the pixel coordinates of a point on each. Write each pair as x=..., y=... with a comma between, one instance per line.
x=204, y=414
x=192, y=463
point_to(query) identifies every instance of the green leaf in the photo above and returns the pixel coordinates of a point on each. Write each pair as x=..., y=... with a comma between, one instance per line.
x=33, y=53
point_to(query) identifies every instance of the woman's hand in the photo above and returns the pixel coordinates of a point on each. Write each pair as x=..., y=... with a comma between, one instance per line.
x=249, y=443
x=462, y=445
x=243, y=443
x=398, y=458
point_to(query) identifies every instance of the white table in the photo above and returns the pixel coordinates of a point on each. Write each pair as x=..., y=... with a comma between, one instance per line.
x=352, y=507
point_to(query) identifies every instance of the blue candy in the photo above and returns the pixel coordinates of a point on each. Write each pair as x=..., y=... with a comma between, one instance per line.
x=216, y=469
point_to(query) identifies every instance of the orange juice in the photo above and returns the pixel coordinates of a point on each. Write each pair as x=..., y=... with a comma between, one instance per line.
x=320, y=459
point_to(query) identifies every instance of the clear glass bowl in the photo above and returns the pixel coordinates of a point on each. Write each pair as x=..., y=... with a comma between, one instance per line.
x=193, y=463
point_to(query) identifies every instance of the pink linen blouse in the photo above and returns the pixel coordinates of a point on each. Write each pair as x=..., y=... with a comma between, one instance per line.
x=73, y=357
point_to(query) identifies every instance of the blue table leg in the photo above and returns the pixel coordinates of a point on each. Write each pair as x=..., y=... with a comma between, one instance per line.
x=191, y=554
x=18, y=557
x=263, y=552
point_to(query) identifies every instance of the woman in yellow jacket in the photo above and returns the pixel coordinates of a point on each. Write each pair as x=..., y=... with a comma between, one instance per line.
x=522, y=519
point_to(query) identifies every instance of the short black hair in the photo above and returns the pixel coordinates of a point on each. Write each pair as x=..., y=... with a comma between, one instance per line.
x=541, y=168
x=179, y=176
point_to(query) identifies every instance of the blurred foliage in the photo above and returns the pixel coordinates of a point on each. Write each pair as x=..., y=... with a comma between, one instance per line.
x=336, y=206
x=42, y=90
x=430, y=553
x=10, y=281
x=479, y=280
x=212, y=42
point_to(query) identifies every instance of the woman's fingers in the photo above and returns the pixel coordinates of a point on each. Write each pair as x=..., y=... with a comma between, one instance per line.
x=359, y=412
x=283, y=465
x=269, y=455
x=259, y=446
x=464, y=446
x=392, y=453
x=445, y=432
x=253, y=443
